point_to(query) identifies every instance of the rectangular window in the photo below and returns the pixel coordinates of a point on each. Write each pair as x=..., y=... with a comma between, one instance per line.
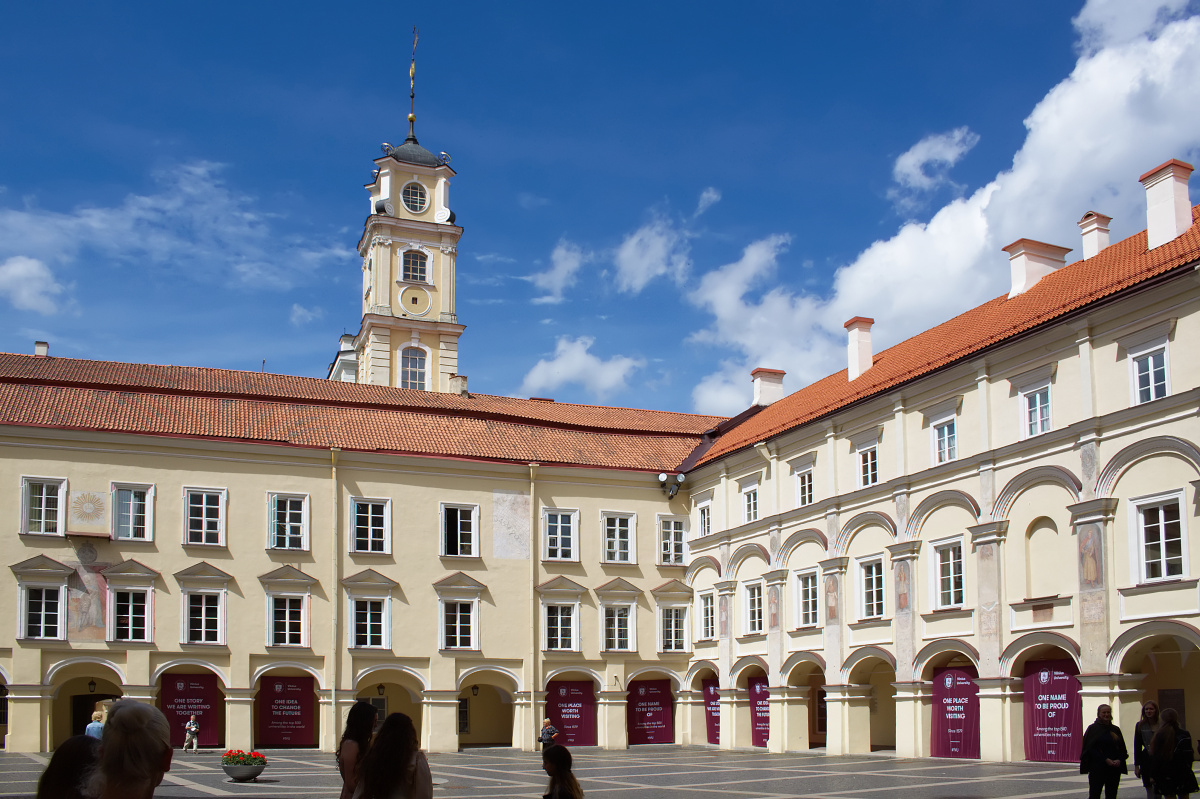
x=616, y=629
x=708, y=618
x=1037, y=411
x=671, y=541
x=42, y=501
x=370, y=532
x=616, y=539
x=130, y=616
x=806, y=585
x=458, y=529
x=204, y=618
x=672, y=629
x=704, y=525
x=42, y=613
x=872, y=589
x=1162, y=539
x=560, y=535
x=950, y=575
x=129, y=507
x=458, y=625
x=368, y=623
x=1150, y=375
x=804, y=487
x=414, y=266
x=750, y=504
x=944, y=441
x=868, y=467
x=560, y=628
x=205, y=521
x=287, y=621
x=464, y=716
x=754, y=609
x=289, y=523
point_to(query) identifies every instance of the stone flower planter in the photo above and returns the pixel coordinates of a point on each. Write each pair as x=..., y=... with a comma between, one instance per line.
x=244, y=773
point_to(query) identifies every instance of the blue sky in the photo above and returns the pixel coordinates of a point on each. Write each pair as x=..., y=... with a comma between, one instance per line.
x=657, y=198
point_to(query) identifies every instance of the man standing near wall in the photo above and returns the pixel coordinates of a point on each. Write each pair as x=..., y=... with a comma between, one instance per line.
x=1103, y=755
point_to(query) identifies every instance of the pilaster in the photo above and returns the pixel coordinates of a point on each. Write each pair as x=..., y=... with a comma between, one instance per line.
x=914, y=718
x=848, y=719
x=985, y=541
x=1000, y=714
x=239, y=718
x=439, y=721
x=610, y=719
x=833, y=574
x=903, y=557
x=1092, y=521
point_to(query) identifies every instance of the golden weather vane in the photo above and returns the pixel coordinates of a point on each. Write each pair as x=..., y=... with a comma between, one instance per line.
x=412, y=77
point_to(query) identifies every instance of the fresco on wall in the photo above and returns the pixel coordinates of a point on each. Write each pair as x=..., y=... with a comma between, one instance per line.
x=87, y=602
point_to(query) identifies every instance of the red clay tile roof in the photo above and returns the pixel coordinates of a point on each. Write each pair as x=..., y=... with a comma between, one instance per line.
x=1114, y=269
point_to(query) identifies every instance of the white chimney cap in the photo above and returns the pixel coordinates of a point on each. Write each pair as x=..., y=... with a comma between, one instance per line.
x=1030, y=261
x=1168, y=208
x=768, y=385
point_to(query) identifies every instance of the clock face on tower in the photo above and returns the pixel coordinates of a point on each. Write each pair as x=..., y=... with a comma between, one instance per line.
x=415, y=300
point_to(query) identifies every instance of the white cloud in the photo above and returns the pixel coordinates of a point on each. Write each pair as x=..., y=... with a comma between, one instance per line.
x=655, y=249
x=494, y=258
x=708, y=198
x=29, y=285
x=924, y=166
x=531, y=201
x=565, y=262
x=1124, y=109
x=302, y=316
x=194, y=225
x=574, y=364
x=1104, y=23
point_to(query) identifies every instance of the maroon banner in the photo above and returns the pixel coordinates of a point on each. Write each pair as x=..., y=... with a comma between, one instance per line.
x=1053, y=711
x=182, y=696
x=712, y=710
x=760, y=715
x=285, y=712
x=571, y=708
x=955, y=713
x=649, y=712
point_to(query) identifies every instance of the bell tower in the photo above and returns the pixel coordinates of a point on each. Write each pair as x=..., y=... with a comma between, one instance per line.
x=409, y=335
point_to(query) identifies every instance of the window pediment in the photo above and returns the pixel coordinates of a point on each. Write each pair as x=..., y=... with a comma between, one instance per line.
x=561, y=586
x=43, y=567
x=369, y=580
x=459, y=586
x=202, y=573
x=673, y=589
x=942, y=410
x=618, y=588
x=286, y=577
x=130, y=572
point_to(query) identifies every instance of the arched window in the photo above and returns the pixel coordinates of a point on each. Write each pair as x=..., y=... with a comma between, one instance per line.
x=412, y=368
x=414, y=266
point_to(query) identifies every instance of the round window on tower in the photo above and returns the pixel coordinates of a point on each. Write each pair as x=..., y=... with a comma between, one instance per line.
x=414, y=197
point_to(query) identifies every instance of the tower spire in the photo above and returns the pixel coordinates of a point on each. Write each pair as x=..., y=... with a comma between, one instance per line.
x=412, y=92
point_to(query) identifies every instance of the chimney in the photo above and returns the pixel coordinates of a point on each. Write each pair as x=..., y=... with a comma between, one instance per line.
x=768, y=385
x=1168, y=209
x=1095, y=232
x=1031, y=261
x=458, y=385
x=41, y=349
x=858, y=345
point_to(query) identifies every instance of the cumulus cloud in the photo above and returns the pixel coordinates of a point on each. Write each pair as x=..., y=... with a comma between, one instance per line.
x=565, y=263
x=1125, y=108
x=29, y=285
x=1105, y=23
x=657, y=248
x=708, y=198
x=302, y=316
x=574, y=364
x=925, y=165
x=194, y=224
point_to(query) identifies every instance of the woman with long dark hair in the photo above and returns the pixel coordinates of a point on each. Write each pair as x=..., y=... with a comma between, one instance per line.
x=69, y=768
x=135, y=752
x=360, y=723
x=556, y=762
x=1143, y=733
x=1171, y=759
x=394, y=768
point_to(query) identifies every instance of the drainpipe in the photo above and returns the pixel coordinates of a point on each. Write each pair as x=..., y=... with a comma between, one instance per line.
x=535, y=650
x=335, y=628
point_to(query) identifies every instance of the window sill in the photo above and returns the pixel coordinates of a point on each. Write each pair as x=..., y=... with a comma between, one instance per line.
x=680, y=564
x=460, y=650
x=219, y=545
x=122, y=643
x=674, y=652
x=560, y=652
x=750, y=638
x=619, y=651
x=127, y=540
x=956, y=612
x=369, y=554
x=287, y=549
x=45, y=535
x=288, y=647
x=1149, y=587
x=206, y=644
x=869, y=623
x=560, y=560
x=806, y=628
x=618, y=563
x=365, y=649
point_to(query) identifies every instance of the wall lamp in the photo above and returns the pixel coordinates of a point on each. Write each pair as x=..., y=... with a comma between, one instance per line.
x=670, y=485
x=91, y=686
x=474, y=690
x=379, y=689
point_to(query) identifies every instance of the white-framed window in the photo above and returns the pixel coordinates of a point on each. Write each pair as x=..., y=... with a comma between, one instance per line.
x=870, y=577
x=204, y=516
x=459, y=525
x=371, y=526
x=43, y=611
x=131, y=614
x=1162, y=541
x=370, y=623
x=868, y=466
x=672, y=628
x=949, y=588
x=288, y=620
x=414, y=197
x=288, y=521
x=204, y=616
x=753, y=593
x=708, y=617
x=750, y=502
x=1150, y=374
x=560, y=527
x=671, y=536
x=617, y=634
x=619, y=530
x=1035, y=409
x=704, y=519
x=459, y=624
x=132, y=511
x=561, y=627
x=413, y=267
x=43, y=499
x=412, y=368
x=945, y=440
x=806, y=599
x=804, y=487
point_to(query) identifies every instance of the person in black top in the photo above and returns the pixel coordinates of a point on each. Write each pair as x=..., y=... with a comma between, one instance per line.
x=1103, y=755
x=1143, y=733
x=1171, y=759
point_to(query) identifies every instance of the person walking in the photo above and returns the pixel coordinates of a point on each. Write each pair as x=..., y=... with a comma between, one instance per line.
x=1103, y=755
x=556, y=762
x=191, y=734
x=1143, y=733
x=394, y=768
x=547, y=734
x=1171, y=759
x=95, y=729
x=360, y=723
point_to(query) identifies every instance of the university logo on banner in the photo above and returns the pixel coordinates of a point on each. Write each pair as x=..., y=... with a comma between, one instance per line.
x=1053, y=711
x=571, y=708
x=955, y=729
x=712, y=711
x=650, y=717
